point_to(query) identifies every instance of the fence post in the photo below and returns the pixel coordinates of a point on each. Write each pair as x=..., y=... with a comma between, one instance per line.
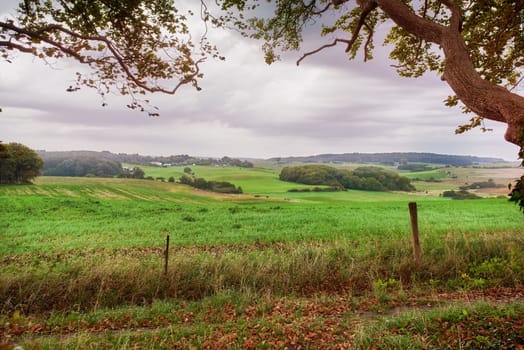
x=166, y=255
x=414, y=231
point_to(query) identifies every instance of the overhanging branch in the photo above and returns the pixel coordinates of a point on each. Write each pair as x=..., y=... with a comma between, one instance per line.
x=335, y=42
x=115, y=53
x=367, y=8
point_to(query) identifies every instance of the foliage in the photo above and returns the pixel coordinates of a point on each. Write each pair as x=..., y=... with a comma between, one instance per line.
x=462, y=194
x=363, y=178
x=131, y=47
x=18, y=164
x=423, y=34
x=132, y=173
x=82, y=166
x=214, y=186
x=517, y=191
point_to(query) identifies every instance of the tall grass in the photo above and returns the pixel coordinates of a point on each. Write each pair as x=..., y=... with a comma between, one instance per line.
x=99, y=279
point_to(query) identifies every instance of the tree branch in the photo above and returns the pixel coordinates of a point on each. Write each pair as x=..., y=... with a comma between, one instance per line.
x=11, y=46
x=335, y=42
x=366, y=10
x=404, y=17
x=456, y=14
x=38, y=34
x=368, y=42
x=369, y=6
x=319, y=12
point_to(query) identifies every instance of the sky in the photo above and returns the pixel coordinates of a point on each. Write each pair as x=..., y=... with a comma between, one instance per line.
x=246, y=109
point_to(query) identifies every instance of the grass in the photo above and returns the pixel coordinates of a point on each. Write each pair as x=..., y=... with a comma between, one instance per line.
x=82, y=264
x=131, y=213
x=478, y=326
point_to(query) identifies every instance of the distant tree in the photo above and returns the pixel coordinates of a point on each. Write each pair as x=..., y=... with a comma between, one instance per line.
x=201, y=183
x=186, y=180
x=187, y=170
x=18, y=164
x=171, y=179
x=138, y=173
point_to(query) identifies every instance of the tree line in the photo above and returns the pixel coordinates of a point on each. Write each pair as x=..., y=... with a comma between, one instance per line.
x=82, y=166
x=364, y=178
x=173, y=160
x=394, y=158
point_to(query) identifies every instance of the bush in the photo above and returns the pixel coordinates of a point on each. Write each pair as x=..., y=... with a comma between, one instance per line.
x=462, y=194
x=214, y=186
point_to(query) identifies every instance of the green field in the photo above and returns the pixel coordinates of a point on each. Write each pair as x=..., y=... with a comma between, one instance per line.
x=82, y=253
x=74, y=213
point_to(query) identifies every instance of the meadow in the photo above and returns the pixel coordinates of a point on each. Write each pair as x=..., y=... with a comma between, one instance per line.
x=83, y=264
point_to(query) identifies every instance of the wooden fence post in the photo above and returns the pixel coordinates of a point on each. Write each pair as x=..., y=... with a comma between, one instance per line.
x=414, y=231
x=166, y=255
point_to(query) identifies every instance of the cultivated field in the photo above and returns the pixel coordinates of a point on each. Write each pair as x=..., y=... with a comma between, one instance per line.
x=83, y=264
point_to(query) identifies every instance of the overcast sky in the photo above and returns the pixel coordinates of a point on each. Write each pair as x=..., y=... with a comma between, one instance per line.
x=246, y=109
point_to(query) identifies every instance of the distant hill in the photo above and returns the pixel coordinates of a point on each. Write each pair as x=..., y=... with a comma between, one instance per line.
x=182, y=159
x=390, y=158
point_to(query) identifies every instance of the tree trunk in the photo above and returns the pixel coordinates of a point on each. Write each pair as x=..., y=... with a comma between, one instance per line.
x=484, y=98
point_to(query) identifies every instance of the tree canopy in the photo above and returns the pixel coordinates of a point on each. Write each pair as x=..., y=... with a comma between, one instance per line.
x=131, y=47
x=18, y=164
